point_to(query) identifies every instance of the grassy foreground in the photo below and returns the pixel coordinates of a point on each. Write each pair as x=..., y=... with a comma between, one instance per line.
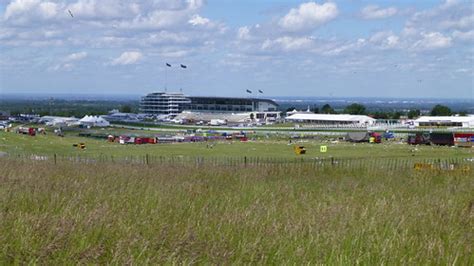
x=110, y=213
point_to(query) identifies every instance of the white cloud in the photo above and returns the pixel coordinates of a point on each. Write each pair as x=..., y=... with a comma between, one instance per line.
x=337, y=49
x=67, y=63
x=464, y=22
x=464, y=36
x=103, y=9
x=23, y=11
x=76, y=56
x=127, y=58
x=18, y=7
x=385, y=40
x=243, y=33
x=197, y=20
x=433, y=40
x=308, y=16
x=287, y=43
x=375, y=12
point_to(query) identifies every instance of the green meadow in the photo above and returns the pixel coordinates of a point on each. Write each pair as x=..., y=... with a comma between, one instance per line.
x=260, y=147
x=111, y=212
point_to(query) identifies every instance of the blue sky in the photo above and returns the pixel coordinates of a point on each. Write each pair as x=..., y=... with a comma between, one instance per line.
x=285, y=48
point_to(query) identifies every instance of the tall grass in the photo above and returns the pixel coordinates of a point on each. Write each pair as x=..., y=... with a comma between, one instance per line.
x=113, y=213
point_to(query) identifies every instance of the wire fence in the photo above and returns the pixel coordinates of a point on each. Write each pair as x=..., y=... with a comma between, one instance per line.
x=367, y=164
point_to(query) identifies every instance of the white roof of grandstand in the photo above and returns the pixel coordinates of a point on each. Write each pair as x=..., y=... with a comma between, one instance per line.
x=458, y=119
x=330, y=117
x=50, y=118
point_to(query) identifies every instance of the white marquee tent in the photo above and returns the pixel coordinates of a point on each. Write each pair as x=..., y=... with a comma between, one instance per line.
x=94, y=121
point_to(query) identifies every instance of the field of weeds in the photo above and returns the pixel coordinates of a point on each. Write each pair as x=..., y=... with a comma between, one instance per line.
x=122, y=214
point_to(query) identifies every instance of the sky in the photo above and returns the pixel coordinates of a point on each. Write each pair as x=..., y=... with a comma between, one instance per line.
x=338, y=48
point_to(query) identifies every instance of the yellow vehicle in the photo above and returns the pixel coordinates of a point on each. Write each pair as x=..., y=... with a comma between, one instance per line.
x=299, y=150
x=80, y=145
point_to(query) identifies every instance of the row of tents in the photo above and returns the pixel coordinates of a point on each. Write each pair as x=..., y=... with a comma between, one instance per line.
x=88, y=121
x=460, y=139
x=371, y=137
x=170, y=139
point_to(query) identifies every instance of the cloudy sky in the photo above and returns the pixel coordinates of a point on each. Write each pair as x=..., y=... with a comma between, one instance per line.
x=398, y=48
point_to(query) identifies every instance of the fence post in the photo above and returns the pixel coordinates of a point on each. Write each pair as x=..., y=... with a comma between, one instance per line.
x=245, y=160
x=55, y=158
x=146, y=158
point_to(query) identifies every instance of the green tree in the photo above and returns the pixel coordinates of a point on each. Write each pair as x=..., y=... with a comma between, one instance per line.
x=252, y=116
x=413, y=113
x=441, y=110
x=396, y=115
x=355, y=109
x=327, y=109
x=125, y=109
x=379, y=115
x=315, y=109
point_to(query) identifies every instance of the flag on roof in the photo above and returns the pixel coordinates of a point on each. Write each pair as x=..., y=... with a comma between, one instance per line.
x=183, y=66
x=260, y=91
x=168, y=65
x=249, y=91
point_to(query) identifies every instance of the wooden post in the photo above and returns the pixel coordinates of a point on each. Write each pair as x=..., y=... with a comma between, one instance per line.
x=55, y=158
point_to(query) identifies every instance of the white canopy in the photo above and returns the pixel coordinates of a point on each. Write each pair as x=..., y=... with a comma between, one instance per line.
x=95, y=121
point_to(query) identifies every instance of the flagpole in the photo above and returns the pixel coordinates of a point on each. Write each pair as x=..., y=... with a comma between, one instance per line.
x=182, y=75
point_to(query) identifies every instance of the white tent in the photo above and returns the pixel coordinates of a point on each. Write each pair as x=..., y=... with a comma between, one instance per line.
x=331, y=118
x=94, y=121
x=448, y=121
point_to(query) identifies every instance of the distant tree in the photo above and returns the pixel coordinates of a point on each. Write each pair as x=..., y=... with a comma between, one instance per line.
x=355, y=109
x=43, y=113
x=396, y=115
x=290, y=109
x=441, y=110
x=314, y=109
x=327, y=109
x=463, y=113
x=252, y=116
x=125, y=109
x=379, y=115
x=413, y=113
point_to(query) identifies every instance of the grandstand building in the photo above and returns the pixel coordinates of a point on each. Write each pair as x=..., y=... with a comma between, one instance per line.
x=330, y=119
x=224, y=104
x=163, y=103
x=445, y=121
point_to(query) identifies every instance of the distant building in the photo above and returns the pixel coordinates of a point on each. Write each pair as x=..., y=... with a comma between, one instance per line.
x=331, y=119
x=227, y=104
x=445, y=121
x=174, y=103
x=164, y=103
x=58, y=121
x=115, y=115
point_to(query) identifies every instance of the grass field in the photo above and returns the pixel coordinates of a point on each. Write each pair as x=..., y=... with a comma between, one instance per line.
x=105, y=212
x=50, y=144
x=130, y=214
